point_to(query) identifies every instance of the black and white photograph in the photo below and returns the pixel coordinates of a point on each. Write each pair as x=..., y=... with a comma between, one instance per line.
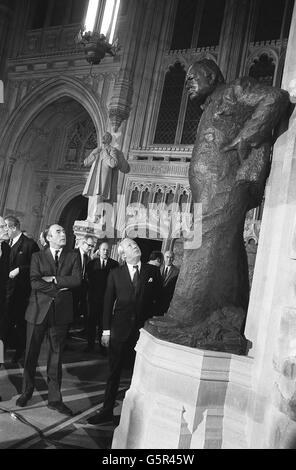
x=148, y=228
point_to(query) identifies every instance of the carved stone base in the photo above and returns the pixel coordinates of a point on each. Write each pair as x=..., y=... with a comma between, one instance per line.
x=221, y=331
x=184, y=398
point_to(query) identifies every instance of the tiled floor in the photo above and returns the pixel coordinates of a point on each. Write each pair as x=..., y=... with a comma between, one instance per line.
x=35, y=426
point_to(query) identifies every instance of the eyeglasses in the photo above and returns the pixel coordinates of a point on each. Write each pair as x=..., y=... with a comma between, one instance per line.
x=90, y=245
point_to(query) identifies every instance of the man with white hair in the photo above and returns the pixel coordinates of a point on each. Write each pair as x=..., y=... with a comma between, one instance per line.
x=4, y=263
x=54, y=272
x=4, y=271
x=131, y=297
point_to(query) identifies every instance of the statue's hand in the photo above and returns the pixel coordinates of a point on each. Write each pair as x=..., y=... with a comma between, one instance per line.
x=242, y=147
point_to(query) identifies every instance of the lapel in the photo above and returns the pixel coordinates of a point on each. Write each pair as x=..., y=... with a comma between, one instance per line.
x=16, y=248
x=50, y=259
x=62, y=259
x=127, y=278
x=170, y=274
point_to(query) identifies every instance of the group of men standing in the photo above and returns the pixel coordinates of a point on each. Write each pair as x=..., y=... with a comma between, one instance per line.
x=39, y=286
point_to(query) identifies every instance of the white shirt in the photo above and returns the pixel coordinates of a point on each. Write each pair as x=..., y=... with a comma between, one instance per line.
x=132, y=271
x=81, y=256
x=53, y=252
x=16, y=239
x=103, y=261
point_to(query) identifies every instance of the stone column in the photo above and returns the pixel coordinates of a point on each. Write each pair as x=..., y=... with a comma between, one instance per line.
x=271, y=320
x=235, y=36
x=6, y=11
x=5, y=181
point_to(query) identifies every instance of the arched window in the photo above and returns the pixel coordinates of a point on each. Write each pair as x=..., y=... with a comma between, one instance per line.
x=197, y=23
x=170, y=105
x=263, y=69
x=178, y=116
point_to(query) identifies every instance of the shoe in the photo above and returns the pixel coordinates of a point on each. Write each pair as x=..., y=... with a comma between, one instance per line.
x=89, y=348
x=23, y=399
x=60, y=407
x=101, y=417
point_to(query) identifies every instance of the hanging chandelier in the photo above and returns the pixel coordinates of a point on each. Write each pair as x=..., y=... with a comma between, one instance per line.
x=95, y=46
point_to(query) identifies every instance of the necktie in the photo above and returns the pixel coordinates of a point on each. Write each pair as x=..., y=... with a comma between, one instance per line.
x=56, y=260
x=84, y=264
x=165, y=273
x=10, y=242
x=103, y=264
x=136, y=278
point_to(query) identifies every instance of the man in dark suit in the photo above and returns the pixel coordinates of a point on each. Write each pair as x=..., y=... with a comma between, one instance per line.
x=18, y=286
x=97, y=273
x=169, y=273
x=54, y=272
x=4, y=271
x=86, y=244
x=4, y=265
x=131, y=298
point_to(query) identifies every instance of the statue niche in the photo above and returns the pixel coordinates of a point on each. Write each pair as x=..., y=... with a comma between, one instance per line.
x=227, y=175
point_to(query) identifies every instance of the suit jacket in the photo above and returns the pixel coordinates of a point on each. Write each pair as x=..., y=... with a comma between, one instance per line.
x=125, y=311
x=168, y=287
x=46, y=295
x=4, y=271
x=20, y=257
x=97, y=278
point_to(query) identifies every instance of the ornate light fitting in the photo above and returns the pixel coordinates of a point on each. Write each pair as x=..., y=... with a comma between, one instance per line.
x=95, y=46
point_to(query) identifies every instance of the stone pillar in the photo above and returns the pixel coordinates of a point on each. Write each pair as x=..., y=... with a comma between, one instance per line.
x=271, y=320
x=235, y=36
x=6, y=11
x=5, y=181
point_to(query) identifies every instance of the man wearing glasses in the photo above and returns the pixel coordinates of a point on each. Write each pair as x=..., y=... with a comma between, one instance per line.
x=97, y=273
x=85, y=247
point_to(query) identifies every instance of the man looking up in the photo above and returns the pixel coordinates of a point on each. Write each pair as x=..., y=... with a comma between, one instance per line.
x=18, y=286
x=97, y=273
x=54, y=272
x=131, y=298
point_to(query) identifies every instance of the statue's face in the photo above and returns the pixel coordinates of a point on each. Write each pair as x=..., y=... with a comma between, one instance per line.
x=197, y=82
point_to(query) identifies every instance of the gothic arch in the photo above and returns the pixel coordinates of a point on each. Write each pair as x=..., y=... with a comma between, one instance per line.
x=42, y=96
x=60, y=202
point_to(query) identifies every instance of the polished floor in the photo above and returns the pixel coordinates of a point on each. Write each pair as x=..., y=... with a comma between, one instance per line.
x=37, y=427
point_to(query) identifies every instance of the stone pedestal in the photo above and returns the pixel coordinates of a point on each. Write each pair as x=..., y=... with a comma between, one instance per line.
x=184, y=398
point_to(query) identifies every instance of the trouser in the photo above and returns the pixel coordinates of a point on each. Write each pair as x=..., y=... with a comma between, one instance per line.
x=13, y=323
x=94, y=321
x=117, y=354
x=56, y=335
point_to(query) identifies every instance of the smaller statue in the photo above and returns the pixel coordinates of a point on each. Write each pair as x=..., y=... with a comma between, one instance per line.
x=104, y=162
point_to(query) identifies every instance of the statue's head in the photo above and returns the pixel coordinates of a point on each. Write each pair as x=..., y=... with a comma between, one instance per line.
x=202, y=78
x=107, y=138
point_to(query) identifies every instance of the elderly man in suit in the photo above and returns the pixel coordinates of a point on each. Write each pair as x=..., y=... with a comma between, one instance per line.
x=169, y=273
x=4, y=271
x=4, y=264
x=97, y=272
x=54, y=272
x=131, y=297
x=18, y=286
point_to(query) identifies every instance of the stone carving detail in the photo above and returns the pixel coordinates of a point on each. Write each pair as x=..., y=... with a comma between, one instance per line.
x=227, y=175
x=81, y=139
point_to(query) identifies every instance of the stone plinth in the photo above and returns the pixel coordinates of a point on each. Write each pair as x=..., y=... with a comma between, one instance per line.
x=184, y=398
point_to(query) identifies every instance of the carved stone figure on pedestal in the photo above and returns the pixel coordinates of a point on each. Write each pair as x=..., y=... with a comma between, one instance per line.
x=98, y=187
x=227, y=174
